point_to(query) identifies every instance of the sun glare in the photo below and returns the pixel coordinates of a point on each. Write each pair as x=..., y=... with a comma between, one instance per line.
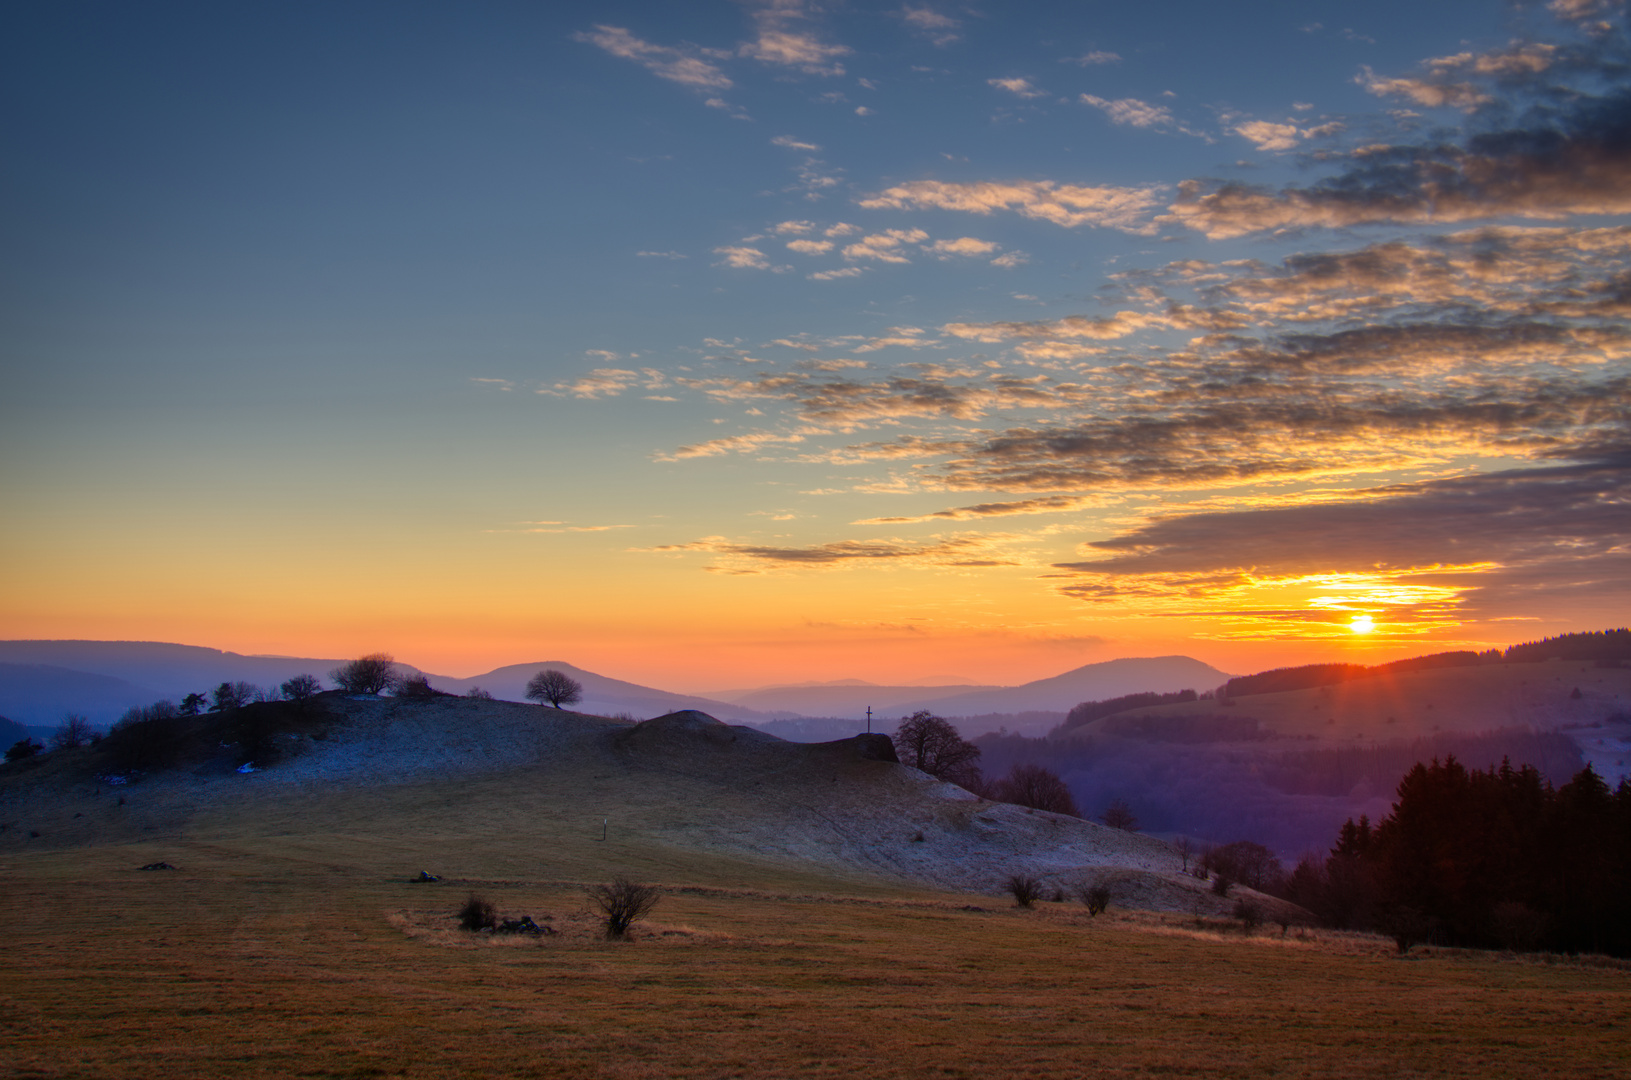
x=1362, y=624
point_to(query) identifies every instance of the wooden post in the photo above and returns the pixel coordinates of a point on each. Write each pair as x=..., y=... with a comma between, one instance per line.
x=869, y=719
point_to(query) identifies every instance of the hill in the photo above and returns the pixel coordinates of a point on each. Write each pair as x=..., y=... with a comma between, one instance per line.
x=40, y=680
x=453, y=782
x=1061, y=693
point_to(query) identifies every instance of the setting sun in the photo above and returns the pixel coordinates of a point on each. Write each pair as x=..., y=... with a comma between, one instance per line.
x=1362, y=624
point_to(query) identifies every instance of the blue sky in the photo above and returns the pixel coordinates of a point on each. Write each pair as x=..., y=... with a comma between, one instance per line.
x=800, y=336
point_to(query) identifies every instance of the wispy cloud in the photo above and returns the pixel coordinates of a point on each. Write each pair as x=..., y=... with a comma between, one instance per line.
x=938, y=27
x=959, y=551
x=1050, y=504
x=680, y=65
x=1020, y=88
x=1068, y=205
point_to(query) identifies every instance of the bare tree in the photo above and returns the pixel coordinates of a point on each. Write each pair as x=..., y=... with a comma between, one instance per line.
x=624, y=903
x=1037, y=787
x=1118, y=815
x=371, y=674
x=1186, y=848
x=556, y=687
x=928, y=742
x=302, y=687
x=75, y=731
x=231, y=695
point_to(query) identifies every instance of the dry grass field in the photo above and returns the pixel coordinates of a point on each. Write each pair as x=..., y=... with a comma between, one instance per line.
x=290, y=942
x=255, y=963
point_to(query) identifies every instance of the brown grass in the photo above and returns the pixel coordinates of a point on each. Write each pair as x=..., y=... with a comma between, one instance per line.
x=253, y=962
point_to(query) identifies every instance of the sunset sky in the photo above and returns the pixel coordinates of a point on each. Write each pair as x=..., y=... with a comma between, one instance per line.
x=725, y=343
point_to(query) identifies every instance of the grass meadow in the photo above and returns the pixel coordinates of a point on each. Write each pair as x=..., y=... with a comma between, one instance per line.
x=287, y=959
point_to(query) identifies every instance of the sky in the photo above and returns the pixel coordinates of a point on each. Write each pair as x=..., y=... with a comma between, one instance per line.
x=722, y=344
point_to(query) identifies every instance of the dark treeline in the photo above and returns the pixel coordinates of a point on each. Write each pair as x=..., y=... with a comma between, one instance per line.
x=1602, y=646
x=1088, y=711
x=1283, y=793
x=1608, y=645
x=1496, y=858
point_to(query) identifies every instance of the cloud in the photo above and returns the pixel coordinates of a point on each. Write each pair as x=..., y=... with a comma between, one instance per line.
x=1119, y=325
x=794, y=144
x=743, y=258
x=960, y=551
x=834, y=275
x=733, y=444
x=780, y=43
x=1271, y=136
x=660, y=255
x=607, y=382
x=1021, y=88
x=940, y=29
x=810, y=247
x=1097, y=56
x=1430, y=553
x=794, y=228
x=1549, y=142
x=1127, y=209
x=1051, y=504
x=1131, y=112
x=885, y=246
x=676, y=65
x=1011, y=259
x=964, y=245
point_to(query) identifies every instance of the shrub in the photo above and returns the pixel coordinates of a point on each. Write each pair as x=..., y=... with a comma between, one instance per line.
x=1221, y=883
x=478, y=914
x=1097, y=898
x=1027, y=890
x=624, y=902
x=1249, y=914
x=478, y=693
x=371, y=674
x=23, y=748
x=1519, y=927
x=415, y=686
x=301, y=687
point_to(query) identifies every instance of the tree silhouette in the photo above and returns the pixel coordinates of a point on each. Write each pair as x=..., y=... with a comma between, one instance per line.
x=1118, y=815
x=371, y=674
x=301, y=687
x=928, y=742
x=556, y=687
x=1037, y=787
x=74, y=732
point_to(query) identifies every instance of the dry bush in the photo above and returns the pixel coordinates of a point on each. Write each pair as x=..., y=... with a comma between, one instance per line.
x=624, y=902
x=1026, y=889
x=1249, y=914
x=415, y=686
x=478, y=914
x=1096, y=897
x=1221, y=883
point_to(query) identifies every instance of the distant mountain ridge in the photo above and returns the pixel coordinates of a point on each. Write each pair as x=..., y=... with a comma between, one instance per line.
x=42, y=680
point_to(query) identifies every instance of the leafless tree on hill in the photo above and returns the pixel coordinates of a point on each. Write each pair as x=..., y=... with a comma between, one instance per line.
x=1118, y=815
x=1036, y=787
x=556, y=687
x=928, y=742
x=301, y=687
x=371, y=674
x=74, y=732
